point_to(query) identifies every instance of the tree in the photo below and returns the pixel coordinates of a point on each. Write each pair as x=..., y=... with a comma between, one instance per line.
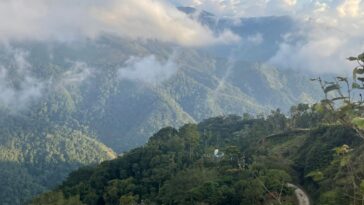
x=345, y=107
x=250, y=191
x=277, y=120
x=56, y=198
x=128, y=200
x=190, y=133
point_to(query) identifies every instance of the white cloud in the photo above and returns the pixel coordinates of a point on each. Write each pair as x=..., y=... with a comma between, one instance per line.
x=77, y=73
x=156, y=20
x=332, y=29
x=317, y=55
x=17, y=86
x=256, y=39
x=320, y=7
x=339, y=34
x=290, y=2
x=324, y=51
x=67, y=20
x=244, y=7
x=148, y=69
x=247, y=8
x=349, y=8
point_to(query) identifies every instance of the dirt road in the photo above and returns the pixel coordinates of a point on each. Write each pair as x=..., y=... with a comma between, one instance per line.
x=302, y=197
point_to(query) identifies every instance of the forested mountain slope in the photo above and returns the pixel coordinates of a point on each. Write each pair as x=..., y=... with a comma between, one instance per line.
x=63, y=104
x=228, y=160
x=124, y=91
x=34, y=159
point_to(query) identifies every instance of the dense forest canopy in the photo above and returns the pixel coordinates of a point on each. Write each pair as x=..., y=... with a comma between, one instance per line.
x=256, y=158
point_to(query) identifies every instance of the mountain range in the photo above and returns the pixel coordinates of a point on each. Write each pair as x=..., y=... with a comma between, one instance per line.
x=66, y=105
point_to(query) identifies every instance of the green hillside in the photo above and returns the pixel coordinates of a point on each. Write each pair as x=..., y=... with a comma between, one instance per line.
x=257, y=157
x=206, y=102
x=62, y=104
x=35, y=161
x=124, y=111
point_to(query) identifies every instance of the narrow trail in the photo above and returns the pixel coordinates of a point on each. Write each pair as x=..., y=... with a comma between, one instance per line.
x=302, y=197
x=222, y=81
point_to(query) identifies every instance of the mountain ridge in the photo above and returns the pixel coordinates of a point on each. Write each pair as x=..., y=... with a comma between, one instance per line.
x=111, y=94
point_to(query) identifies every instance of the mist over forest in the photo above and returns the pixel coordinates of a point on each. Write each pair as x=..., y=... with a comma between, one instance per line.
x=181, y=102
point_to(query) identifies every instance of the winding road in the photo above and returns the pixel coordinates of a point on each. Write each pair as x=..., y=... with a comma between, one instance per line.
x=302, y=197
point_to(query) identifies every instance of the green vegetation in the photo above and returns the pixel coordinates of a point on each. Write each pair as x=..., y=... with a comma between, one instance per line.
x=233, y=160
x=83, y=87
x=260, y=156
x=62, y=109
x=34, y=161
x=346, y=105
x=179, y=167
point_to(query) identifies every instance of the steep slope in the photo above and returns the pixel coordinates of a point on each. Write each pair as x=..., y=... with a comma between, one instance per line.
x=202, y=87
x=175, y=167
x=227, y=160
x=124, y=110
x=34, y=159
x=61, y=104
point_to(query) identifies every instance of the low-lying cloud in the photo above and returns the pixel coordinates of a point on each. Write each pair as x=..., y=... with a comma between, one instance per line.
x=148, y=69
x=17, y=86
x=336, y=31
x=332, y=30
x=76, y=74
x=69, y=20
x=255, y=39
x=319, y=55
x=325, y=48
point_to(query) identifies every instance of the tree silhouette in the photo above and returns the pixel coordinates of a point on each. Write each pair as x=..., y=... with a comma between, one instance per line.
x=340, y=99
